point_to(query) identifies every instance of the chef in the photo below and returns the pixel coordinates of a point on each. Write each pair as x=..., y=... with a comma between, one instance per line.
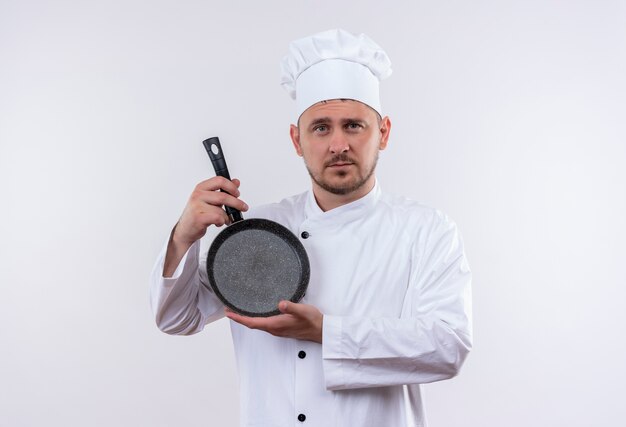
x=388, y=303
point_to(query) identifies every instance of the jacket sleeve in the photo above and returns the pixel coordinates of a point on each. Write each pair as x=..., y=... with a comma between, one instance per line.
x=428, y=342
x=184, y=303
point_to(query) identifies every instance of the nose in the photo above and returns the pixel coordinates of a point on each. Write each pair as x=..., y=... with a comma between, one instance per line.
x=338, y=143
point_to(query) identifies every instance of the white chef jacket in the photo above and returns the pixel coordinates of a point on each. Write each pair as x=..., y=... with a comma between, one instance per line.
x=391, y=278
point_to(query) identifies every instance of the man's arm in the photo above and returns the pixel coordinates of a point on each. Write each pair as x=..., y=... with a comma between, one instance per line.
x=428, y=342
x=181, y=304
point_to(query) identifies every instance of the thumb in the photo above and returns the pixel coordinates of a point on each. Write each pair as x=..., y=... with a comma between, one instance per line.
x=287, y=307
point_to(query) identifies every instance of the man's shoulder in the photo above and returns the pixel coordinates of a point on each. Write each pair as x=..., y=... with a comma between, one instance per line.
x=415, y=214
x=403, y=205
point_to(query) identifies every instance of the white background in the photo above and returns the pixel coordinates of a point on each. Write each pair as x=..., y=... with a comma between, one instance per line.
x=508, y=116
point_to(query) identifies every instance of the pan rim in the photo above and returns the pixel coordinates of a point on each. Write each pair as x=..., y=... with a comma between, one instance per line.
x=278, y=230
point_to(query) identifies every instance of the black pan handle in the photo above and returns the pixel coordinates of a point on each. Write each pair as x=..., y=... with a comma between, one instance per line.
x=214, y=149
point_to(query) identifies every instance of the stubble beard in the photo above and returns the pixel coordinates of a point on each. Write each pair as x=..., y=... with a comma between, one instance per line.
x=345, y=188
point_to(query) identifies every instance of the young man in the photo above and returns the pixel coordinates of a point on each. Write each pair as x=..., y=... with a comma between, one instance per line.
x=388, y=303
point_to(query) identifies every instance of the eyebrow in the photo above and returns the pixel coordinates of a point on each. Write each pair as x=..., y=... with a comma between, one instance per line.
x=324, y=120
x=319, y=121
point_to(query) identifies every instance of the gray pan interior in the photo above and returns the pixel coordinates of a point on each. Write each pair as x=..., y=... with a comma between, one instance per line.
x=255, y=263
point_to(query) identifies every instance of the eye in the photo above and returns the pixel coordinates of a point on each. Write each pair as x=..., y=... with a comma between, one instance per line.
x=354, y=126
x=320, y=128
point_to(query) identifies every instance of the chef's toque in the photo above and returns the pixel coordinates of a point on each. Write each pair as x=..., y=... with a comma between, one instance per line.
x=334, y=64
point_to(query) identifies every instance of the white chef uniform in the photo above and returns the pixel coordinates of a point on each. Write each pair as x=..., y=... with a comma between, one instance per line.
x=392, y=280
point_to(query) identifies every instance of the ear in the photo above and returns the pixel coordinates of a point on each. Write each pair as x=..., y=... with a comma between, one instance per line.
x=294, y=133
x=385, y=129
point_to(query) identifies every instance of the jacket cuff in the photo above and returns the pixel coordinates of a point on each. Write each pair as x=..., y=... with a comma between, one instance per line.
x=188, y=263
x=332, y=352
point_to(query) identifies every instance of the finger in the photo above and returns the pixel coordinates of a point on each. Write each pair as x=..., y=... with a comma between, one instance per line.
x=273, y=324
x=249, y=322
x=233, y=202
x=300, y=311
x=219, y=199
x=232, y=315
x=219, y=183
x=215, y=216
x=288, y=307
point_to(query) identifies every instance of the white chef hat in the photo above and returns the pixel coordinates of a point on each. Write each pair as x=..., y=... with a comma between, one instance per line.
x=334, y=64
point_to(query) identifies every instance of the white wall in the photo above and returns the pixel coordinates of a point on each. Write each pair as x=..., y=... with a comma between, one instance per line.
x=509, y=116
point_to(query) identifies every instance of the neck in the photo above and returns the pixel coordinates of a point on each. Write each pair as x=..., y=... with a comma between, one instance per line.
x=327, y=200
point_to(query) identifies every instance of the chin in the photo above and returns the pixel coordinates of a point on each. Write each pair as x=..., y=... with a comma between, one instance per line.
x=340, y=182
x=341, y=187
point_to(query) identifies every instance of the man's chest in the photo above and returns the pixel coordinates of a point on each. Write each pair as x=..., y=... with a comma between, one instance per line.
x=357, y=269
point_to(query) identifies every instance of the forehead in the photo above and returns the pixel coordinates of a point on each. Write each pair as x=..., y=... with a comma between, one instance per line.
x=337, y=109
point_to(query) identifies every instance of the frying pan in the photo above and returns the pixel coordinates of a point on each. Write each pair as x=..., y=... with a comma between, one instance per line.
x=253, y=264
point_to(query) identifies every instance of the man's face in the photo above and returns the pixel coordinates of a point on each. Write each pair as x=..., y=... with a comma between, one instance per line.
x=339, y=141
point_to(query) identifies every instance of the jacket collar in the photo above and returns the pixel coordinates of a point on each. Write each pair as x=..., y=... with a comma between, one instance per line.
x=343, y=213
